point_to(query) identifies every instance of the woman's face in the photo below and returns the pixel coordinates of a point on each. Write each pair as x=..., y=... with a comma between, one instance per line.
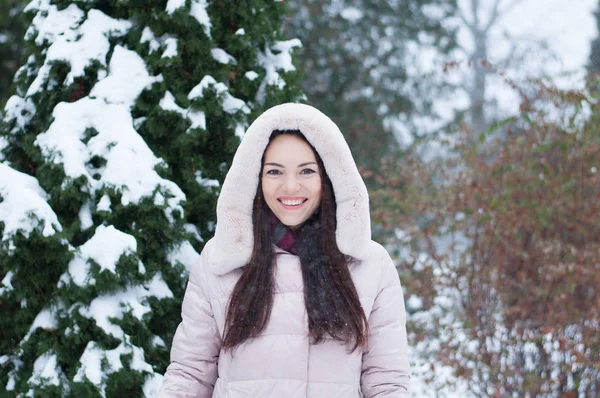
x=291, y=182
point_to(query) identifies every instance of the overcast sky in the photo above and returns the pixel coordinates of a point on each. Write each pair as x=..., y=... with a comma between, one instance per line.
x=567, y=27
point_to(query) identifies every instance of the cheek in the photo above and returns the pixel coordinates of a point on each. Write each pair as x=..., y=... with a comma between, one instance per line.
x=267, y=188
x=316, y=189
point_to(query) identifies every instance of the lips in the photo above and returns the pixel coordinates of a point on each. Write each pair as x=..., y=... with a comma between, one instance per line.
x=292, y=203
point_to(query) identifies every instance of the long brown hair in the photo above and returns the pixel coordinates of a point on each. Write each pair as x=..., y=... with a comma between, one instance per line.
x=331, y=299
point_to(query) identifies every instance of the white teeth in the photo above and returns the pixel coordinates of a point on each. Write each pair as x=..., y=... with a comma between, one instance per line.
x=292, y=202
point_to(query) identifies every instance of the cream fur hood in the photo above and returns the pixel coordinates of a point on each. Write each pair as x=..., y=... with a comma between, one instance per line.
x=234, y=236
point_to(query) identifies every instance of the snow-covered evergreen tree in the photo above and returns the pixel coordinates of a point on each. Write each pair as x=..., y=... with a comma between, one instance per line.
x=112, y=152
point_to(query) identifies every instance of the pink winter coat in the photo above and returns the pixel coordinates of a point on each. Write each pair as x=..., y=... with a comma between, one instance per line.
x=281, y=362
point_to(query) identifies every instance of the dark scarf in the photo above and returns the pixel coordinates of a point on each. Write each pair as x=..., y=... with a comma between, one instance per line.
x=282, y=236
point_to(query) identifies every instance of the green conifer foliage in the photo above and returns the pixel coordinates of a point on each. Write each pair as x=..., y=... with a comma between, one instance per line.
x=124, y=122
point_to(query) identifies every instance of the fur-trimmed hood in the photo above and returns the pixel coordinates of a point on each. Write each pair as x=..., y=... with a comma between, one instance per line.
x=233, y=240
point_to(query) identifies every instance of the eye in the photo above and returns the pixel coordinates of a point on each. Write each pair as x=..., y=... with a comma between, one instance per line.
x=273, y=172
x=307, y=171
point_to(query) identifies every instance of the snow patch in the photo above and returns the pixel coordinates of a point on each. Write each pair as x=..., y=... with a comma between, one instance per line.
x=6, y=284
x=198, y=118
x=230, y=103
x=19, y=110
x=85, y=216
x=45, y=319
x=97, y=362
x=105, y=248
x=45, y=370
x=171, y=50
x=104, y=204
x=127, y=77
x=152, y=385
x=148, y=37
x=184, y=254
x=206, y=182
x=78, y=45
x=192, y=229
x=198, y=11
x=274, y=59
x=251, y=75
x=24, y=205
x=240, y=32
x=129, y=163
x=52, y=23
x=173, y=5
x=222, y=56
x=103, y=308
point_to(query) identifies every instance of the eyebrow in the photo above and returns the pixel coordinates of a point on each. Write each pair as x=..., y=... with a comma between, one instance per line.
x=282, y=166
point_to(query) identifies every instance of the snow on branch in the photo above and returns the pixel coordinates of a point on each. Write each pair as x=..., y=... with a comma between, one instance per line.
x=231, y=104
x=24, y=205
x=129, y=164
x=78, y=44
x=275, y=59
x=127, y=77
x=105, y=248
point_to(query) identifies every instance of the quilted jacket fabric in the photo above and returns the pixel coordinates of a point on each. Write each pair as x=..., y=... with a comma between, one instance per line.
x=281, y=362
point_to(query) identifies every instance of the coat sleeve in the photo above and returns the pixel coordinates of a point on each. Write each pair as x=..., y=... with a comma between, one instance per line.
x=385, y=365
x=196, y=345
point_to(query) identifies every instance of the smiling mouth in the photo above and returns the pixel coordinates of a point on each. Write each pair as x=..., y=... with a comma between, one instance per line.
x=292, y=204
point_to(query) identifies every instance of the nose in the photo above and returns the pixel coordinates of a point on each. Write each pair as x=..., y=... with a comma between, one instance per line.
x=291, y=183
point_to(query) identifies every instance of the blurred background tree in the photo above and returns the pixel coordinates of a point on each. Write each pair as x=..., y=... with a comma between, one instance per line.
x=360, y=67
x=12, y=43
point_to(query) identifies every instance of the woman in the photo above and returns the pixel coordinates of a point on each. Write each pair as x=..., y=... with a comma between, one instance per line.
x=291, y=298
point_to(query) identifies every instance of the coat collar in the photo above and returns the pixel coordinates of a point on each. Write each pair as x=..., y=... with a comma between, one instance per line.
x=233, y=240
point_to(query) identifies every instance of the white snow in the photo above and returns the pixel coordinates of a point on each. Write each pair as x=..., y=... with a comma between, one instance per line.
x=251, y=75
x=127, y=77
x=184, y=254
x=171, y=50
x=158, y=342
x=148, y=37
x=24, y=206
x=53, y=24
x=173, y=5
x=3, y=144
x=240, y=32
x=222, y=56
x=6, y=284
x=97, y=362
x=77, y=45
x=198, y=11
x=272, y=62
x=130, y=164
x=104, y=204
x=45, y=370
x=152, y=385
x=198, y=118
x=85, y=216
x=105, y=248
x=240, y=130
x=191, y=228
x=206, y=182
x=230, y=103
x=168, y=103
x=20, y=110
x=133, y=299
x=45, y=319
